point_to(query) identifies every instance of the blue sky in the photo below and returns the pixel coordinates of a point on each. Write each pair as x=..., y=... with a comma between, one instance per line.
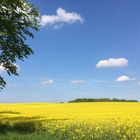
x=86, y=48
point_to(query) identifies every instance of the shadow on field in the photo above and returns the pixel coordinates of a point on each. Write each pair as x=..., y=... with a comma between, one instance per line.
x=9, y=112
x=20, y=124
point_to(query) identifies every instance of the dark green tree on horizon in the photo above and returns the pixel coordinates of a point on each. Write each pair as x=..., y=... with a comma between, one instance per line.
x=18, y=20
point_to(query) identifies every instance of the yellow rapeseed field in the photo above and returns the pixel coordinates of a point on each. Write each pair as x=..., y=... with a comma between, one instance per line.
x=79, y=121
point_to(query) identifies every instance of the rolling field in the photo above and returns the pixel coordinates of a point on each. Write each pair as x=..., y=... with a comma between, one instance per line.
x=71, y=121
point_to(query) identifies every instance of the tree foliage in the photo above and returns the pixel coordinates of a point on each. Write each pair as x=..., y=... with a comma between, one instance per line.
x=18, y=20
x=101, y=100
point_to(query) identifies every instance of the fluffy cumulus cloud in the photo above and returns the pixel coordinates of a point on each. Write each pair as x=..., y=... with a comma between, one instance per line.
x=78, y=81
x=112, y=62
x=48, y=82
x=124, y=78
x=60, y=18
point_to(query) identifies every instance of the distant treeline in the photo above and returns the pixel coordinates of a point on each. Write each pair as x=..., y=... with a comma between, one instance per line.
x=101, y=100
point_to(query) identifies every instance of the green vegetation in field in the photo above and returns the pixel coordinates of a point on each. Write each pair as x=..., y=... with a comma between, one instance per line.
x=32, y=136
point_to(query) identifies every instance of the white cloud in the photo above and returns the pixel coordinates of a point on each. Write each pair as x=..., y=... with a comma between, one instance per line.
x=48, y=82
x=11, y=85
x=112, y=62
x=124, y=78
x=61, y=17
x=58, y=26
x=78, y=81
x=138, y=83
x=1, y=69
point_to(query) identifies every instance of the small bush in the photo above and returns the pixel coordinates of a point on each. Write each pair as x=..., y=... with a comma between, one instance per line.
x=25, y=127
x=5, y=127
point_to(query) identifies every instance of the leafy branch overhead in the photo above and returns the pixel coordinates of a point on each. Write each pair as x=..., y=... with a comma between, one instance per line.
x=18, y=20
